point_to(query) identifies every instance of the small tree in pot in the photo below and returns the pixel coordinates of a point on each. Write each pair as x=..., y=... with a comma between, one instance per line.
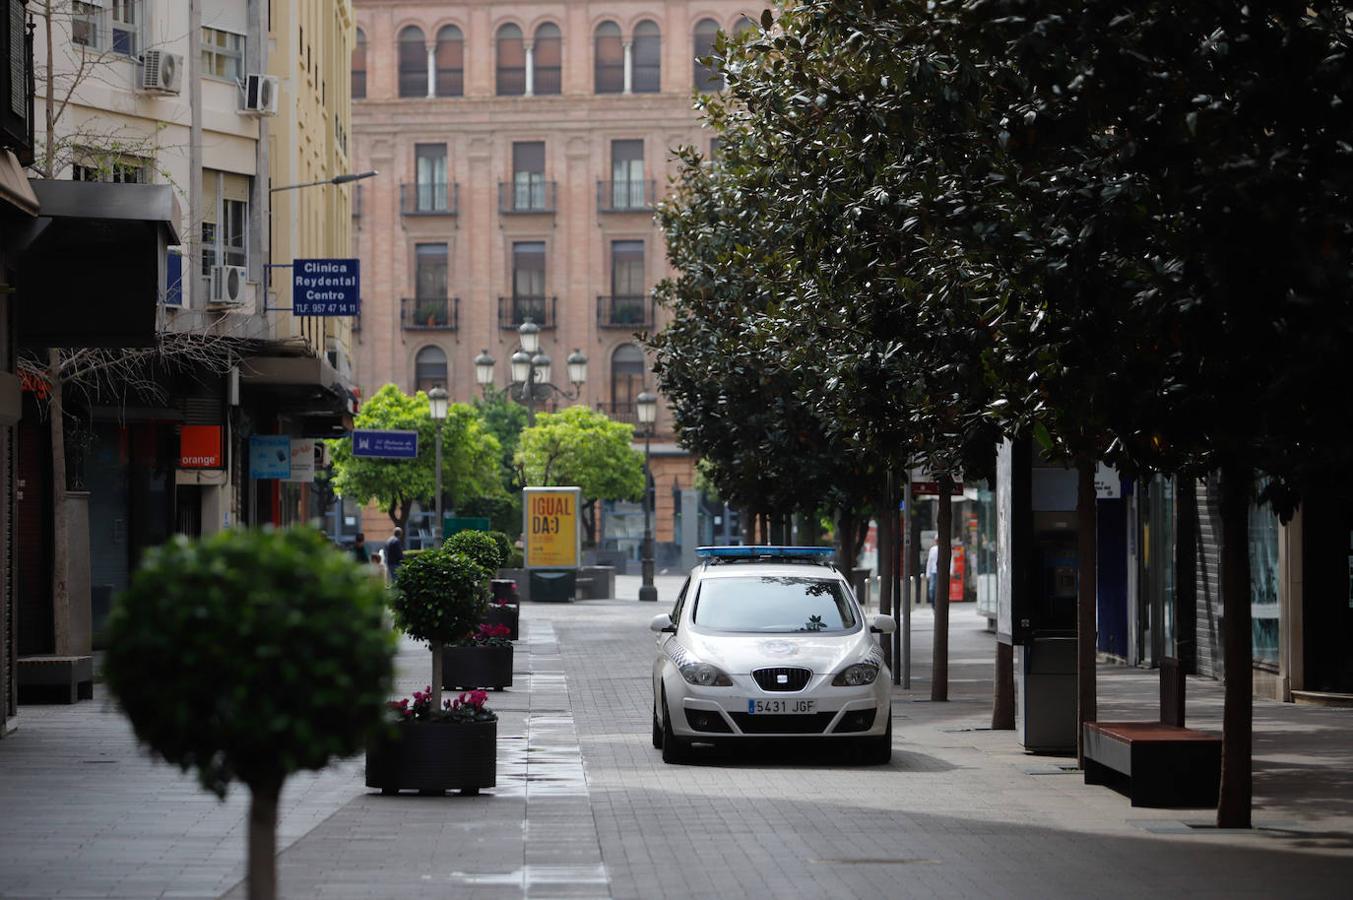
x=439, y=597
x=490, y=549
x=434, y=749
x=248, y=656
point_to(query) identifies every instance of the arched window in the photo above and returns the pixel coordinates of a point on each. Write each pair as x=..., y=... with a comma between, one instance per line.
x=429, y=369
x=413, y=63
x=450, y=62
x=548, y=56
x=743, y=25
x=647, y=54
x=707, y=77
x=608, y=57
x=627, y=381
x=359, y=66
x=511, y=62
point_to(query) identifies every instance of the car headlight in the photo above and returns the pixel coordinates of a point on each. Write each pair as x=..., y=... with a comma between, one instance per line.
x=705, y=675
x=858, y=674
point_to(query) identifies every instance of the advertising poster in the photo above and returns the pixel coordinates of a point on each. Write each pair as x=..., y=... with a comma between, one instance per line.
x=551, y=528
x=302, y=459
x=270, y=456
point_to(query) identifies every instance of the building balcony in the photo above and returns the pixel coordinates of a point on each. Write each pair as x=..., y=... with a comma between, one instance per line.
x=436, y=198
x=626, y=196
x=429, y=313
x=526, y=198
x=632, y=313
x=513, y=311
x=625, y=413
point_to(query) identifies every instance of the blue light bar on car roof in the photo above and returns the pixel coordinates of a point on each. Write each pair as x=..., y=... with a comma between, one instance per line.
x=757, y=551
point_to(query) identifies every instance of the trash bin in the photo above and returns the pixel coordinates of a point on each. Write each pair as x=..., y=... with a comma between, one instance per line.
x=1045, y=692
x=553, y=586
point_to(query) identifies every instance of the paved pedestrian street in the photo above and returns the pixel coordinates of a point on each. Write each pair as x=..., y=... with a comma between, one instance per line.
x=585, y=807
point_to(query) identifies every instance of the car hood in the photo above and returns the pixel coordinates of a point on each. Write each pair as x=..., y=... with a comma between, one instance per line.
x=741, y=653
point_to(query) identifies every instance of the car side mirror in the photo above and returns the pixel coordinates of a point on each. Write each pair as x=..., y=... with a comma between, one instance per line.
x=662, y=624
x=882, y=624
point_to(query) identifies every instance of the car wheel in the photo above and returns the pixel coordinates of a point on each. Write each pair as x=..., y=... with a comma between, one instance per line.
x=675, y=750
x=878, y=751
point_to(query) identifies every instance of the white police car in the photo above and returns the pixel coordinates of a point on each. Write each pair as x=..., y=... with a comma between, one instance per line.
x=769, y=642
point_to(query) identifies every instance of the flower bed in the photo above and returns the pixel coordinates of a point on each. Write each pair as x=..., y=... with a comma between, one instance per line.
x=484, y=661
x=433, y=751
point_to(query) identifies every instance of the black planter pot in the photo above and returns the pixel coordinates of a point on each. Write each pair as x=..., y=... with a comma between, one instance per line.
x=465, y=668
x=434, y=757
x=505, y=615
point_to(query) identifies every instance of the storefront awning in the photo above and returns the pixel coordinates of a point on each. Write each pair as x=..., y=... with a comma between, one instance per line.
x=91, y=266
x=306, y=389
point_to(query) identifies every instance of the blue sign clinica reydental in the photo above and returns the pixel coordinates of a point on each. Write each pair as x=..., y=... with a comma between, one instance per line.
x=385, y=444
x=325, y=287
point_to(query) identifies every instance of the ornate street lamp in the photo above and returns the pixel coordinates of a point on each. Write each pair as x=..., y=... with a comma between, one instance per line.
x=532, y=369
x=483, y=371
x=647, y=404
x=437, y=408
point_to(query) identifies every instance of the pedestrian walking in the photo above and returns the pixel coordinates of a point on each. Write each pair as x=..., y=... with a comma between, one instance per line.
x=359, y=551
x=394, y=552
x=932, y=564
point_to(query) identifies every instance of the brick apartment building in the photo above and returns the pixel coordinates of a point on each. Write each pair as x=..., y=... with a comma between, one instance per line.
x=521, y=148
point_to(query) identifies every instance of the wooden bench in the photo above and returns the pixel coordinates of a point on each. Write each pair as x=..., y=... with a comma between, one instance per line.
x=1164, y=765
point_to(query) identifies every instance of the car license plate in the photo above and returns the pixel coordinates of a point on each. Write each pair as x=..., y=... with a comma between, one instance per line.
x=780, y=707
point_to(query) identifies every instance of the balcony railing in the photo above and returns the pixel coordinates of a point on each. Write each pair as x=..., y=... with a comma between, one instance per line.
x=525, y=197
x=634, y=313
x=512, y=311
x=430, y=313
x=626, y=413
x=626, y=196
x=429, y=198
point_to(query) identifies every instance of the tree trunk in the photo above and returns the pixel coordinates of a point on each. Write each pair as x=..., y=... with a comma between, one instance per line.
x=436, y=673
x=1086, y=593
x=589, y=517
x=944, y=524
x=845, y=539
x=263, y=840
x=886, y=556
x=1233, y=808
x=48, y=98
x=1003, y=689
x=1186, y=574
x=60, y=553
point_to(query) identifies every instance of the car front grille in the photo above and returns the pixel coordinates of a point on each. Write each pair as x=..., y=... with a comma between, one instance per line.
x=782, y=679
x=805, y=723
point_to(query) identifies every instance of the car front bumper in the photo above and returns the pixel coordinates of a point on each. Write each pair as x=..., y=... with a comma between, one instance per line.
x=712, y=713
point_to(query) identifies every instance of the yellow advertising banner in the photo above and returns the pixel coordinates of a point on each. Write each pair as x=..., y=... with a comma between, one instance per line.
x=551, y=527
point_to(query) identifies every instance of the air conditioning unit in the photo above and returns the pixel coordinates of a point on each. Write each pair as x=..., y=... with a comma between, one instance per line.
x=260, y=95
x=227, y=285
x=161, y=72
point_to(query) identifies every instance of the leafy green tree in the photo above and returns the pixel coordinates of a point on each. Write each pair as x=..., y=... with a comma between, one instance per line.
x=580, y=447
x=480, y=546
x=248, y=656
x=470, y=457
x=439, y=597
x=505, y=420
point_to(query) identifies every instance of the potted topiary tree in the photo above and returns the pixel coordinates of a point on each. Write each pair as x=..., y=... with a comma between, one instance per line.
x=432, y=750
x=439, y=597
x=486, y=548
x=247, y=656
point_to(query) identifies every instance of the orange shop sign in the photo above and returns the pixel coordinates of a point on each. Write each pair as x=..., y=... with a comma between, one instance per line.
x=200, y=447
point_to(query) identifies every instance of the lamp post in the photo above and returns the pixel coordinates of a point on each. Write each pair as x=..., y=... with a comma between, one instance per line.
x=531, y=370
x=437, y=409
x=337, y=179
x=647, y=404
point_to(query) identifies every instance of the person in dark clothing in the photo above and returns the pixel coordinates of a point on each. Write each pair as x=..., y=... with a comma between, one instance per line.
x=394, y=552
x=359, y=551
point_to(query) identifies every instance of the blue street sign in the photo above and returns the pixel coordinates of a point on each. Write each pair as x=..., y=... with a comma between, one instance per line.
x=385, y=444
x=325, y=287
x=269, y=456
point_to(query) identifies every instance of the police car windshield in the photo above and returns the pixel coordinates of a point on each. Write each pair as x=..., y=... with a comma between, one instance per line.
x=773, y=604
